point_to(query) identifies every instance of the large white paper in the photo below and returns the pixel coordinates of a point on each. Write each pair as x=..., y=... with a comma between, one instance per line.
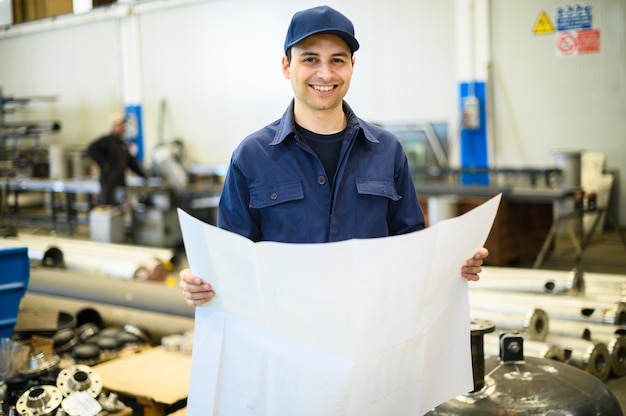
x=359, y=327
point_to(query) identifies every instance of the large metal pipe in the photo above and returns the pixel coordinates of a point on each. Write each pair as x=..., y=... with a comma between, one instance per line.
x=145, y=295
x=532, y=280
x=111, y=260
x=610, y=335
x=158, y=324
x=585, y=330
x=591, y=356
x=562, y=307
x=80, y=246
x=534, y=322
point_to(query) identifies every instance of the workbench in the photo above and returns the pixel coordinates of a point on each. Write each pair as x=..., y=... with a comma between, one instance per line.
x=199, y=200
x=524, y=220
x=157, y=379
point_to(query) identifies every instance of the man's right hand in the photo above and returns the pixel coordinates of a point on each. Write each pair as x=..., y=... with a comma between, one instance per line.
x=195, y=291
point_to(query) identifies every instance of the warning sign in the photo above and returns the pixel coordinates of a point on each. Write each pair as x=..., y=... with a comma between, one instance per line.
x=543, y=25
x=588, y=41
x=578, y=42
x=566, y=43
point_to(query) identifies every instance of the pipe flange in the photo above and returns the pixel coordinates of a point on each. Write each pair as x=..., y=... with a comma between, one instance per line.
x=126, y=339
x=108, y=344
x=77, y=378
x=87, y=354
x=86, y=331
x=536, y=324
x=39, y=362
x=64, y=340
x=39, y=400
x=138, y=331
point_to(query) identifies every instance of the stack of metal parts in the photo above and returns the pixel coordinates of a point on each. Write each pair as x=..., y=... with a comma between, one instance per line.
x=572, y=317
x=40, y=387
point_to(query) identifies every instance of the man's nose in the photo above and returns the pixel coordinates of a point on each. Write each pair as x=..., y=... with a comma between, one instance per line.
x=324, y=71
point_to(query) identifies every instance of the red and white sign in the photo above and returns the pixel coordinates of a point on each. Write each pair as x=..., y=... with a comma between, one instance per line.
x=589, y=41
x=566, y=43
x=578, y=42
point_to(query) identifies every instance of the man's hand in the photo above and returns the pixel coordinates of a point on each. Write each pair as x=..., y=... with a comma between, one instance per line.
x=472, y=267
x=195, y=291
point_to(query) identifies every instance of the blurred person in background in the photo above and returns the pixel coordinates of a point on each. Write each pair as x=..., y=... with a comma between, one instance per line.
x=113, y=158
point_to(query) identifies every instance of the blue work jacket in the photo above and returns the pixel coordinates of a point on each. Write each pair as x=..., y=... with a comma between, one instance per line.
x=276, y=188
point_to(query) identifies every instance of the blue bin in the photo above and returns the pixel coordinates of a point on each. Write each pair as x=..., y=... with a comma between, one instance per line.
x=14, y=275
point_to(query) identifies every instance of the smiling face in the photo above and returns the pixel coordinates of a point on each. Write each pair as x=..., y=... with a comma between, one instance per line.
x=320, y=71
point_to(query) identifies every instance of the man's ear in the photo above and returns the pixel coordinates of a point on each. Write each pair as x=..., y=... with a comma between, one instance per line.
x=286, y=68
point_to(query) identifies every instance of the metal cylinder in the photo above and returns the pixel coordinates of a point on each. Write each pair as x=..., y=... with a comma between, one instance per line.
x=561, y=307
x=569, y=161
x=534, y=322
x=532, y=281
x=478, y=330
x=132, y=294
x=529, y=387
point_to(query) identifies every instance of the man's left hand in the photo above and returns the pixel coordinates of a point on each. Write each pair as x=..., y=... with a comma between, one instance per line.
x=472, y=267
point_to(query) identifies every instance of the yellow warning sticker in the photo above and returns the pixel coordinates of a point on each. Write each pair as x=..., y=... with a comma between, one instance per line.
x=543, y=25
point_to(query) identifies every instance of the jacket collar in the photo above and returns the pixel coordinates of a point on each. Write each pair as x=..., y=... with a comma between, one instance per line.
x=287, y=125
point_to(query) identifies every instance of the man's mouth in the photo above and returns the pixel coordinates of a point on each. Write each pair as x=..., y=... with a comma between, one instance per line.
x=323, y=88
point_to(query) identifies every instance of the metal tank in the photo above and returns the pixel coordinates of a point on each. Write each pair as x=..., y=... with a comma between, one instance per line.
x=514, y=385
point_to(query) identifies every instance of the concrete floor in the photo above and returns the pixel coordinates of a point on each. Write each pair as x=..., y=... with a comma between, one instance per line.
x=605, y=253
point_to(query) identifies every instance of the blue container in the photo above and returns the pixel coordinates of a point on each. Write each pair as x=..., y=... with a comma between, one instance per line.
x=14, y=275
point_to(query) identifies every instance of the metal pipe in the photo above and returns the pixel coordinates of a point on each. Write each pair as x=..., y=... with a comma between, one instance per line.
x=111, y=260
x=562, y=307
x=69, y=244
x=159, y=324
x=585, y=330
x=532, y=281
x=147, y=296
x=592, y=357
x=534, y=322
x=612, y=336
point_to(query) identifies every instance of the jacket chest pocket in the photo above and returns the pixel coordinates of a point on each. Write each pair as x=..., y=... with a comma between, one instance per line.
x=268, y=196
x=381, y=188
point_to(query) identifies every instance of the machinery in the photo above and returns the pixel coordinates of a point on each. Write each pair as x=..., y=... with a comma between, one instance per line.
x=514, y=385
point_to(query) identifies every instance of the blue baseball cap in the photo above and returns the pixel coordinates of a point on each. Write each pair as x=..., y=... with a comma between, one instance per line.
x=318, y=20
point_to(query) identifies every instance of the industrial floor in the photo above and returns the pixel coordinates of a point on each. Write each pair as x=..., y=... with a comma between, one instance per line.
x=606, y=253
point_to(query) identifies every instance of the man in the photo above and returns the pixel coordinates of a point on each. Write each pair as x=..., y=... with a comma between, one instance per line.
x=319, y=173
x=113, y=158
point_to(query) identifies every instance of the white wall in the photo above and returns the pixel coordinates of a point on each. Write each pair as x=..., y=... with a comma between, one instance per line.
x=216, y=64
x=543, y=100
x=219, y=69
